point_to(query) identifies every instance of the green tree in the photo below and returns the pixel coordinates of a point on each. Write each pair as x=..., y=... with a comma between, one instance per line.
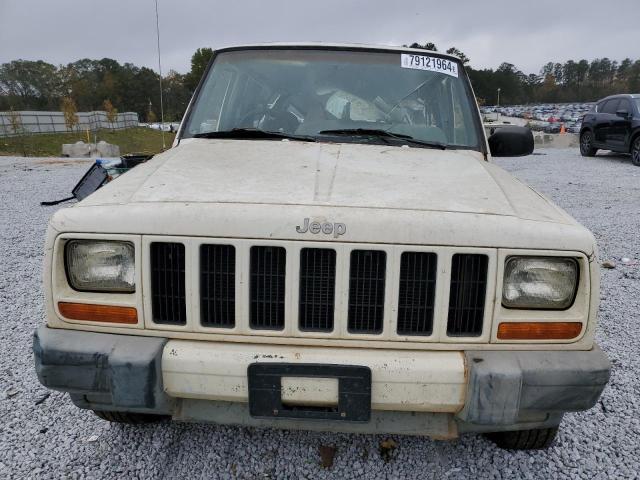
x=151, y=116
x=558, y=73
x=29, y=84
x=510, y=81
x=459, y=54
x=82, y=81
x=176, y=95
x=15, y=122
x=142, y=87
x=633, y=77
x=70, y=113
x=427, y=46
x=548, y=89
x=111, y=111
x=18, y=130
x=622, y=75
x=547, y=70
x=199, y=61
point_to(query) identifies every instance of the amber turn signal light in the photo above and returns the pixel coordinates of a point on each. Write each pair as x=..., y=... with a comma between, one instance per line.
x=98, y=313
x=539, y=330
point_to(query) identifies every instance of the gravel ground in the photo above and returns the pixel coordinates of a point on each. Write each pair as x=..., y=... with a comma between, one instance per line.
x=42, y=435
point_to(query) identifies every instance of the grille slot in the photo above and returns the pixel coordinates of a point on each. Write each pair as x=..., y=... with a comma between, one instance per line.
x=366, y=291
x=417, y=293
x=168, y=305
x=267, y=287
x=217, y=285
x=467, y=295
x=317, y=289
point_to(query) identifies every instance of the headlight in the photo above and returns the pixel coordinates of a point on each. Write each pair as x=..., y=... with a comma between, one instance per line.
x=540, y=282
x=100, y=266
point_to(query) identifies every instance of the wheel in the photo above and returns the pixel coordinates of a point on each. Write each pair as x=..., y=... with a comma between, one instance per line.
x=586, y=145
x=129, y=417
x=535, y=439
x=635, y=152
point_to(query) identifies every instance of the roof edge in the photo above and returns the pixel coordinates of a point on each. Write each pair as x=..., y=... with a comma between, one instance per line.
x=355, y=46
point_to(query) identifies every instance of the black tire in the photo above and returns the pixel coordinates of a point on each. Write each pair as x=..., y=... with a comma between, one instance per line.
x=535, y=439
x=635, y=151
x=129, y=417
x=586, y=144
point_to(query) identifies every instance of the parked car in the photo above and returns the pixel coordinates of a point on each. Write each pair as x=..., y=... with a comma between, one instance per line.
x=327, y=246
x=613, y=124
x=539, y=126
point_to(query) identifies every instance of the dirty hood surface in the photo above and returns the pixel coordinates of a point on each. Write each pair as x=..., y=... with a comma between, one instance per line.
x=327, y=174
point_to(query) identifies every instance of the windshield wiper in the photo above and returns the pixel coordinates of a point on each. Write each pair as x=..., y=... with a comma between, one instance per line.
x=373, y=132
x=254, y=133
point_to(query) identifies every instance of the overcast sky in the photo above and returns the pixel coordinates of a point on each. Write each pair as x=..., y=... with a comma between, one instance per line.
x=527, y=33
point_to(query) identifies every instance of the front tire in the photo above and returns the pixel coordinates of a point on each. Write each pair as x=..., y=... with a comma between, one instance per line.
x=535, y=439
x=129, y=417
x=635, y=152
x=586, y=145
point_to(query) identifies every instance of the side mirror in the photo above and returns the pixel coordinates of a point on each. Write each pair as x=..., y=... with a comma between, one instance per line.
x=511, y=142
x=623, y=113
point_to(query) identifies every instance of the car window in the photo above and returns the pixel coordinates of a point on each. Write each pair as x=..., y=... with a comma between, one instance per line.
x=624, y=105
x=214, y=99
x=610, y=106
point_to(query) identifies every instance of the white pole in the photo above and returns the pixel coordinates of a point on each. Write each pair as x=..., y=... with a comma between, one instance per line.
x=164, y=146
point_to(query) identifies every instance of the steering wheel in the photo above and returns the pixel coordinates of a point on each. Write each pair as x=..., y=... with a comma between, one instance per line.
x=253, y=118
x=272, y=118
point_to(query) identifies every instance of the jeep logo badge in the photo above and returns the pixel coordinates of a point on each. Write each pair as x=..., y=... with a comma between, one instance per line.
x=328, y=228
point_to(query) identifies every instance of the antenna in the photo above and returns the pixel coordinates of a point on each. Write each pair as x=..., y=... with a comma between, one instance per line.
x=164, y=145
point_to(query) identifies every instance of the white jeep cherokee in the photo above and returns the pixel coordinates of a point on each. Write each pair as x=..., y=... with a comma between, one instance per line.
x=327, y=246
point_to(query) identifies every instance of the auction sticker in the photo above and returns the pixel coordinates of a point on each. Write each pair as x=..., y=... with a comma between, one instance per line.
x=433, y=64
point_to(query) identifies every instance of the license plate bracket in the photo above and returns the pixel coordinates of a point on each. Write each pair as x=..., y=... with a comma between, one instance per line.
x=354, y=391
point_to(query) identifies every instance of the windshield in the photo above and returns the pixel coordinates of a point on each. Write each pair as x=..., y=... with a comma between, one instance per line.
x=337, y=95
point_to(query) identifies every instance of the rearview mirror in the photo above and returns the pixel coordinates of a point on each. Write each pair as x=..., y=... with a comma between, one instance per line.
x=622, y=113
x=511, y=142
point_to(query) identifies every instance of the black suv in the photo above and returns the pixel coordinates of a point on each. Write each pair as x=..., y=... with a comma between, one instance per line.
x=613, y=124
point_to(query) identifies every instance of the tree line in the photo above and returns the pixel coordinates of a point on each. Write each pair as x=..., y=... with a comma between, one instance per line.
x=572, y=81
x=87, y=85
x=91, y=84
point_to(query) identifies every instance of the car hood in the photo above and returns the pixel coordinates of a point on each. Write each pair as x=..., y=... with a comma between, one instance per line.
x=327, y=175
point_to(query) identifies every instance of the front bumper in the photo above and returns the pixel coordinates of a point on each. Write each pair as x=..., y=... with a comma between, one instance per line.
x=412, y=392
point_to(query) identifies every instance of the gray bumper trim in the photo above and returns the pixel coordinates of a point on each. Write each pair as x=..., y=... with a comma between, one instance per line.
x=505, y=387
x=102, y=371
